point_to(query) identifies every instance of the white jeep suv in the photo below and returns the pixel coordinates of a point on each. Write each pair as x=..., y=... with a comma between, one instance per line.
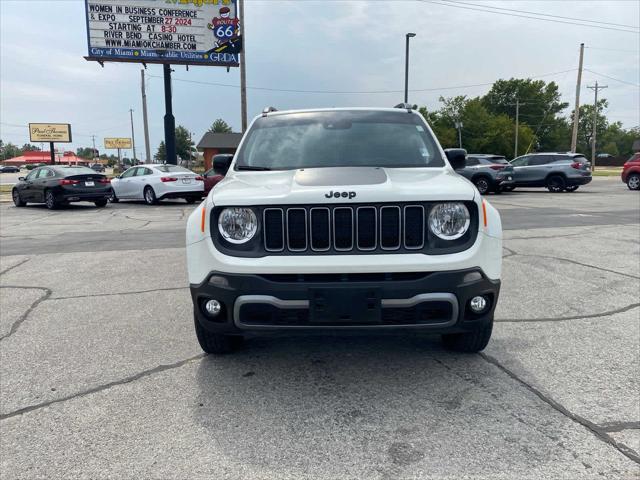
x=343, y=220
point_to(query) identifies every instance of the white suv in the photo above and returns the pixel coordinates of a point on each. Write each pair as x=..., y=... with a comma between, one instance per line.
x=343, y=220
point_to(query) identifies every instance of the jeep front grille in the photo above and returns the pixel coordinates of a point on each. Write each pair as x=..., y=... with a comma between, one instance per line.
x=344, y=229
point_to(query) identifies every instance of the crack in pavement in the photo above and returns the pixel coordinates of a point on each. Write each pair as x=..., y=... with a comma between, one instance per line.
x=100, y=388
x=89, y=295
x=599, y=432
x=575, y=262
x=23, y=317
x=574, y=317
x=14, y=266
x=618, y=426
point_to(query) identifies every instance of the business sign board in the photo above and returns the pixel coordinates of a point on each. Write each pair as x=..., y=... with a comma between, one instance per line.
x=50, y=132
x=115, y=143
x=191, y=32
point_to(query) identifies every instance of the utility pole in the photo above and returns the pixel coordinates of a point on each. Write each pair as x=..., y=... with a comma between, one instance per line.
x=243, y=70
x=145, y=120
x=576, y=110
x=169, y=119
x=515, y=154
x=459, y=127
x=133, y=135
x=406, y=67
x=93, y=139
x=595, y=89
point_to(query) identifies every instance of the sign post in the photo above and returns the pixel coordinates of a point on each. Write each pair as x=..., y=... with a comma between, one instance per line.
x=52, y=133
x=188, y=32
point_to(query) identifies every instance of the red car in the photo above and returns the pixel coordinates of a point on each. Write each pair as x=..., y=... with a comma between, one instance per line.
x=631, y=172
x=214, y=175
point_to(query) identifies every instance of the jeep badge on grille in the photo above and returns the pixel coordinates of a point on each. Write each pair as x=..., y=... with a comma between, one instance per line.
x=333, y=194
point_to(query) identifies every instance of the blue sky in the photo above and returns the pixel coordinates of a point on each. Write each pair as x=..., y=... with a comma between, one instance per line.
x=310, y=45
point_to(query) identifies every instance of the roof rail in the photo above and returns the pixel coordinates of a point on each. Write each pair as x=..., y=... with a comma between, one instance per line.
x=406, y=106
x=267, y=110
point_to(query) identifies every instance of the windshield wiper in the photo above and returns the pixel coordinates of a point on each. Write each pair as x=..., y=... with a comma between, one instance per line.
x=252, y=167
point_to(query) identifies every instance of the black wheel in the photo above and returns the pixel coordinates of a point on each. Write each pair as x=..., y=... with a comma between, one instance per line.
x=112, y=197
x=17, y=201
x=556, y=183
x=508, y=189
x=633, y=181
x=150, y=196
x=216, y=343
x=191, y=200
x=571, y=188
x=482, y=184
x=50, y=200
x=101, y=203
x=470, y=342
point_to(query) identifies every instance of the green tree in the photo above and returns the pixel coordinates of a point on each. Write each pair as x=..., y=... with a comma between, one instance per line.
x=585, y=125
x=220, y=126
x=540, y=103
x=161, y=154
x=27, y=147
x=9, y=150
x=184, y=145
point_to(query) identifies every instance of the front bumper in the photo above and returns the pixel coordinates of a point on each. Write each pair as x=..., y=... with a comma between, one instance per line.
x=501, y=182
x=437, y=302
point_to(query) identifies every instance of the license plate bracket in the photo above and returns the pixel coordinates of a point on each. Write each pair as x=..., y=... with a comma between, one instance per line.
x=89, y=184
x=186, y=180
x=344, y=306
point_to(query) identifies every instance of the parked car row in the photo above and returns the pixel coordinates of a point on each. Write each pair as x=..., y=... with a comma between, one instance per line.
x=558, y=172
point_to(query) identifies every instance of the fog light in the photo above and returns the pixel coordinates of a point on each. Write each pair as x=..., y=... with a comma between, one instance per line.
x=478, y=304
x=213, y=307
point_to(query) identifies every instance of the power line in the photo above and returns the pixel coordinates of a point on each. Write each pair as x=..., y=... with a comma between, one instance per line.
x=369, y=92
x=527, y=16
x=613, y=78
x=544, y=14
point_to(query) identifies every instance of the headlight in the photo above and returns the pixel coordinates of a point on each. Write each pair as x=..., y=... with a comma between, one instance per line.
x=237, y=225
x=449, y=221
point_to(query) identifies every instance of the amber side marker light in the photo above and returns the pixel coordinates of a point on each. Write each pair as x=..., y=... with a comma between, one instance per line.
x=484, y=213
x=204, y=211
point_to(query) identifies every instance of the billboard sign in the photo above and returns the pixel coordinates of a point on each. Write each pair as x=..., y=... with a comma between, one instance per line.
x=117, y=143
x=191, y=32
x=50, y=132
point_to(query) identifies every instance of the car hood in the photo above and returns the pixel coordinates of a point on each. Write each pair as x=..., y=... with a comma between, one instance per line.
x=340, y=185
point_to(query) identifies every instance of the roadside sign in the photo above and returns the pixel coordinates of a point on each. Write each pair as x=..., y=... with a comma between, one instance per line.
x=191, y=32
x=117, y=143
x=50, y=132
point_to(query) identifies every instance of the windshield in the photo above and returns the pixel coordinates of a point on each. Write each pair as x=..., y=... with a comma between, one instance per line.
x=172, y=168
x=338, y=139
x=77, y=171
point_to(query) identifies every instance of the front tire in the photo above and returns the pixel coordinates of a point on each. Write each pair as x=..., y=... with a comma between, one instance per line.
x=101, y=203
x=112, y=197
x=17, y=201
x=482, y=184
x=50, y=200
x=571, y=188
x=191, y=200
x=150, y=196
x=633, y=181
x=216, y=343
x=556, y=183
x=469, y=342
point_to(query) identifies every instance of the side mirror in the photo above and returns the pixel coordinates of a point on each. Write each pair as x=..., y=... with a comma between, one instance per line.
x=457, y=157
x=21, y=179
x=221, y=163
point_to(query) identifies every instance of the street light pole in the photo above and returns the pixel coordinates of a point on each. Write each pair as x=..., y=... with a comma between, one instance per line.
x=406, y=68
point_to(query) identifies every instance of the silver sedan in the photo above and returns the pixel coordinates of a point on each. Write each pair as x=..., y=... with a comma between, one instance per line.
x=152, y=183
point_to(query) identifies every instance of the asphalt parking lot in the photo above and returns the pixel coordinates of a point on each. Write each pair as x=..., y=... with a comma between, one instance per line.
x=101, y=375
